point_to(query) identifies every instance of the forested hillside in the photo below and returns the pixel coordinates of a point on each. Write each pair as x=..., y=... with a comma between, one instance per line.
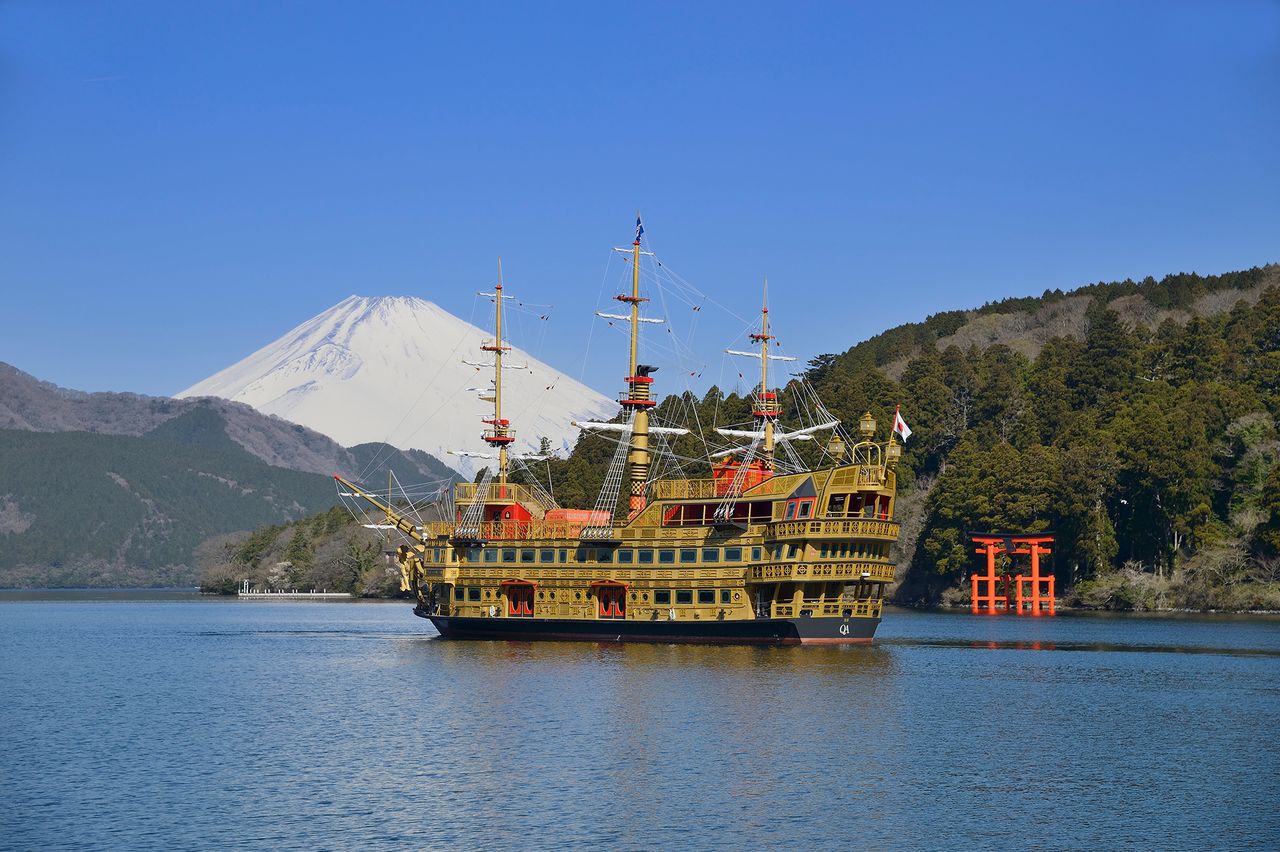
x=79, y=509
x=327, y=551
x=1137, y=420
x=28, y=404
x=117, y=489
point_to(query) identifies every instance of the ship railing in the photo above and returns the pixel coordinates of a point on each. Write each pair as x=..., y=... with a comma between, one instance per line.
x=861, y=476
x=710, y=489
x=871, y=476
x=684, y=489
x=827, y=609
x=869, y=570
x=850, y=528
x=512, y=492
x=512, y=531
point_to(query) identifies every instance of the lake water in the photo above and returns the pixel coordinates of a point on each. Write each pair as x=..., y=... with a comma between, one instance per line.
x=171, y=721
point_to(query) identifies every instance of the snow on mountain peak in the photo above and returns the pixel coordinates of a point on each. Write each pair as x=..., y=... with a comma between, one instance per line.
x=389, y=368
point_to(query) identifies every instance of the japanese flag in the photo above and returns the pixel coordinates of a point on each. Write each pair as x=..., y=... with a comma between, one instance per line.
x=900, y=426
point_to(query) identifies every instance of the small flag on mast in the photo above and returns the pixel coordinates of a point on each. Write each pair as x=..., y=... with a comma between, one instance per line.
x=900, y=426
x=639, y=228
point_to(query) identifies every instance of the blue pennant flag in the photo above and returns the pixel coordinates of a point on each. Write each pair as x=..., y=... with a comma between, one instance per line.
x=639, y=229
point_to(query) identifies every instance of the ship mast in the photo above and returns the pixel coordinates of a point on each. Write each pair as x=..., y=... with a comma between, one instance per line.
x=766, y=409
x=638, y=400
x=499, y=434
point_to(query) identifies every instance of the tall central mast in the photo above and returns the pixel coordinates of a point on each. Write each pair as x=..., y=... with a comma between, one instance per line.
x=638, y=400
x=498, y=435
x=766, y=410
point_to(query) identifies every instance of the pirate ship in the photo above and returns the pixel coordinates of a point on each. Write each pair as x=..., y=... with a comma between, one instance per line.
x=767, y=549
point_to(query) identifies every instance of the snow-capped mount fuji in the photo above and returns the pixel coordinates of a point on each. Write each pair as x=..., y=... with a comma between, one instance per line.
x=389, y=368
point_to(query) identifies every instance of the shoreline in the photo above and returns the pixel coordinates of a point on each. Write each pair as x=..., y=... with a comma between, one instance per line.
x=195, y=591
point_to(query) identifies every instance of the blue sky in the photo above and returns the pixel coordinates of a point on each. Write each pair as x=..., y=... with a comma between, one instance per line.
x=182, y=182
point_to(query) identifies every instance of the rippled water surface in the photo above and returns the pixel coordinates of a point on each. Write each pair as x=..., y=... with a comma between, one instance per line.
x=179, y=722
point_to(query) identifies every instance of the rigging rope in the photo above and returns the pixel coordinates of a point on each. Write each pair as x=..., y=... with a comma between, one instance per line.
x=469, y=526
x=611, y=488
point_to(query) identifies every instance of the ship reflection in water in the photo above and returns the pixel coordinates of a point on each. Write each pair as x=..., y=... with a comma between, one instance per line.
x=199, y=723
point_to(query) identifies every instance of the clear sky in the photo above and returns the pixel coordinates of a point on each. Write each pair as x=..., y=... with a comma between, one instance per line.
x=182, y=182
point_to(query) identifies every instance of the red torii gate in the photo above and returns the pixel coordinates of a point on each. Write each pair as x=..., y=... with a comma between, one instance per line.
x=1021, y=593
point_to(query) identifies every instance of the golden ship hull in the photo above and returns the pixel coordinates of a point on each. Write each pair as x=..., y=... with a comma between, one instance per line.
x=757, y=553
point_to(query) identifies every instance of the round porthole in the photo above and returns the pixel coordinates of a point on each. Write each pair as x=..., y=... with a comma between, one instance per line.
x=737, y=596
x=542, y=596
x=633, y=596
x=553, y=596
x=645, y=596
x=577, y=596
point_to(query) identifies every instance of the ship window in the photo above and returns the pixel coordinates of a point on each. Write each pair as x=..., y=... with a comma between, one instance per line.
x=791, y=511
x=662, y=596
x=586, y=554
x=666, y=557
x=459, y=593
x=684, y=596
x=835, y=506
x=604, y=554
x=792, y=550
x=804, y=509
x=509, y=555
x=757, y=553
x=645, y=556
x=473, y=593
x=490, y=554
x=564, y=555
x=688, y=555
x=710, y=554
x=733, y=554
x=547, y=556
x=724, y=596
x=626, y=555
x=473, y=554
x=822, y=552
x=526, y=555
x=706, y=596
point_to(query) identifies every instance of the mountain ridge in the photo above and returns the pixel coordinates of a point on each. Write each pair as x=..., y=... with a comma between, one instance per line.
x=383, y=368
x=31, y=404
x=1026, y=323
x=122, y=489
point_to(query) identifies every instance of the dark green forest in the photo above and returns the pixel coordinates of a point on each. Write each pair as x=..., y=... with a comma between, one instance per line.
x=327, y=551
x=1149, y=450
x=86, y=509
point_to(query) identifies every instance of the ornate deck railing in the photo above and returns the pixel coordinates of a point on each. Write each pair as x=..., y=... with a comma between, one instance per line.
x=884, y=530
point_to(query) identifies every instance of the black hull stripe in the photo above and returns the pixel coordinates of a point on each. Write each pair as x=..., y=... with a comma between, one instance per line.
x=776, y=631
